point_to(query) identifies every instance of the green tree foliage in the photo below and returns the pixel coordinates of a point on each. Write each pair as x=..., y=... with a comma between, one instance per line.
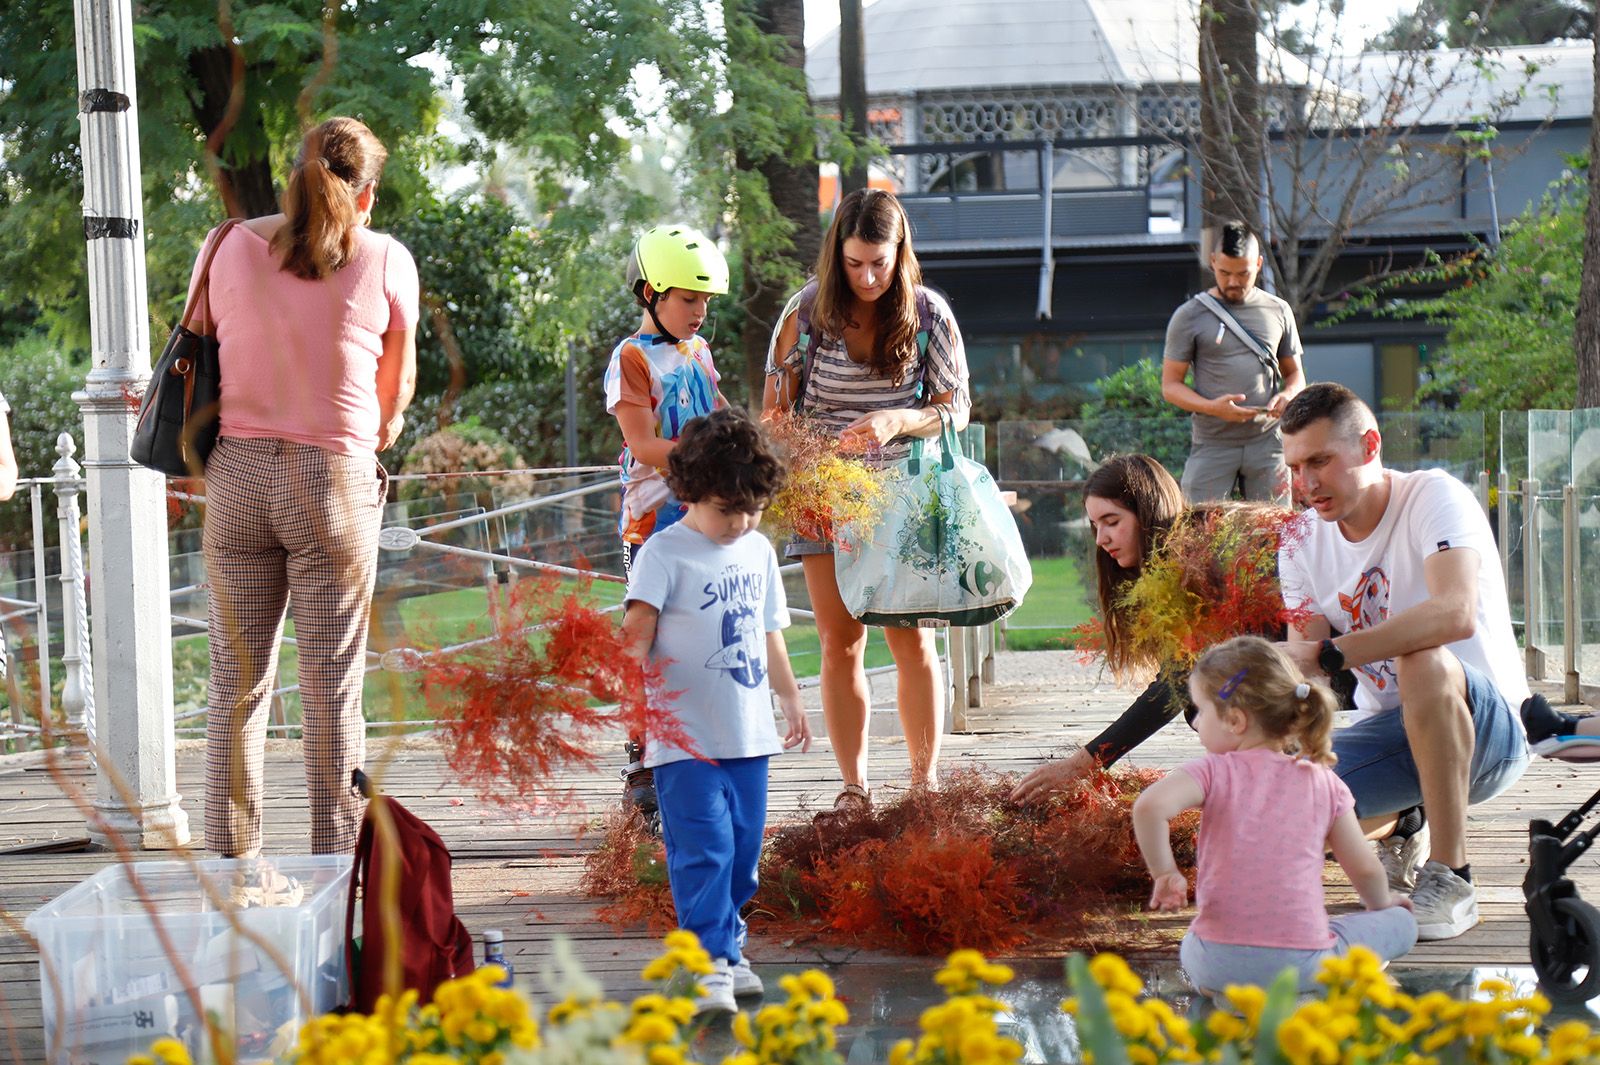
x=1469, y=23
x=477, y=310
x=551, y=78
x=1130, y=415
x=38, y=379
x=1509, y=311
x=583, y=120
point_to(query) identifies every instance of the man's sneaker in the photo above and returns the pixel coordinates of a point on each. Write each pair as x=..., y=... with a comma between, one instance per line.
x=1445, y=904
x=745, y=981
x=1402, y=857
x=716, y=991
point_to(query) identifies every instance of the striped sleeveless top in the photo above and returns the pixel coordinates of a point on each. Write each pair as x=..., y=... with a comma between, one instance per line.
x=838, y=390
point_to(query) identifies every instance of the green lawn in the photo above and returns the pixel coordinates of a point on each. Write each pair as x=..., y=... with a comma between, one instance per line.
x=1056, y=603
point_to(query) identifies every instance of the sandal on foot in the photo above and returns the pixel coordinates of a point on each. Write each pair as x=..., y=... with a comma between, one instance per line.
x=852, y=800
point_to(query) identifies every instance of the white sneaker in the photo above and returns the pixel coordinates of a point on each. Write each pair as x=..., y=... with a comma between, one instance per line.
x=745, y=981
x=717, y=991
x=1445, y=904
x=1402, y=857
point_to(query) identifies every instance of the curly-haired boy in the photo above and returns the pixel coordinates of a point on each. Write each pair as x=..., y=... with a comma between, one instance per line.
x=706, y=604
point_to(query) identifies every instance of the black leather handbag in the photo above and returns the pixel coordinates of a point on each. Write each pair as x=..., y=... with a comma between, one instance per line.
x=179, y=417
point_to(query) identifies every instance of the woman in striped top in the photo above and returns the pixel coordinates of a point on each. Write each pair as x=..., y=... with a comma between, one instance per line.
x=865, y=375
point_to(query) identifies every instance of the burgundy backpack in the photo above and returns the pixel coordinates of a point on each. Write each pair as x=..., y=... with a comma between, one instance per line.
x=433, y=945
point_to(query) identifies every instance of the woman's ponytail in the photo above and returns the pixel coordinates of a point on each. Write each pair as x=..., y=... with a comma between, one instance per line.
x=338, y=159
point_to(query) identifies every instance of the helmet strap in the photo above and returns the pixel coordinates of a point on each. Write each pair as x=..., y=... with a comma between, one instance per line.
x=650, y=308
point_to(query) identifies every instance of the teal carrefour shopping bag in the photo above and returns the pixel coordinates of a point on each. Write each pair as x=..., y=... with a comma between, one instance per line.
x=945, y=551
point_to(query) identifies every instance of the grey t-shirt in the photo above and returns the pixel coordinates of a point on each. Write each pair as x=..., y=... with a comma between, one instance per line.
x=1224, y=365
x=717, y=605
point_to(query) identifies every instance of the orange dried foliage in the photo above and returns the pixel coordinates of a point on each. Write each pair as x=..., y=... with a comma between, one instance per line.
x=829, y=483
x=519, y=708
x=932, y=872
x=630, y=867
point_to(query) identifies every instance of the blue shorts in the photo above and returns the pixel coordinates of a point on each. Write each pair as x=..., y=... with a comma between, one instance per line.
x=1375, y=757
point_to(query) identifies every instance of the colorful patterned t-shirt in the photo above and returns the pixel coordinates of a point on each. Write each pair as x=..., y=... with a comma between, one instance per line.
x=675, y=382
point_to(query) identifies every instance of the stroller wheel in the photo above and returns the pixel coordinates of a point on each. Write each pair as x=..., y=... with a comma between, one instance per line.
x=1569, y=970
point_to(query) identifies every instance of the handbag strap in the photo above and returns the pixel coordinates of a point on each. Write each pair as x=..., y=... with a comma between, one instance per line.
x=201, y=296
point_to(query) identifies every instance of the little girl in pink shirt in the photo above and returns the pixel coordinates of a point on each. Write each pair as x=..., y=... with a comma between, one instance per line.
x=1272, y=808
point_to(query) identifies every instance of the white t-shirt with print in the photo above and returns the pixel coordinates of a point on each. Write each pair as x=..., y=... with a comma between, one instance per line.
x=1356, y=585
x=717, y=605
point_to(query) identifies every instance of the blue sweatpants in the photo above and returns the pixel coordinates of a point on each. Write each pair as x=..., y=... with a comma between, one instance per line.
x=713, y=815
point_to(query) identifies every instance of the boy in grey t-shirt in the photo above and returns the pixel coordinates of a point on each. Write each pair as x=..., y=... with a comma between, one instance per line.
x=1244, y=351
x=705, y=604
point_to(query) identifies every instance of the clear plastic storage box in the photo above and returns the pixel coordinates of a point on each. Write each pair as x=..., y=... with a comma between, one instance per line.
x=256, y=945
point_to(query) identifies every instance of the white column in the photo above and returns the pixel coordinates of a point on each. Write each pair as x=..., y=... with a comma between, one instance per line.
x=136, y=794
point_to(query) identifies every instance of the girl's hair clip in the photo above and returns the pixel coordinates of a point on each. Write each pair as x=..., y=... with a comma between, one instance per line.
x=1302, y=690
x=1226, y=691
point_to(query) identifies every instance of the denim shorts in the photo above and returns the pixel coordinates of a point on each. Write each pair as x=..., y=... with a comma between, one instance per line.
x=799, y=546
x=1375, y=759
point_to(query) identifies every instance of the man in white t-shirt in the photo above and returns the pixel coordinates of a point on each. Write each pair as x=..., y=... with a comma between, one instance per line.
x=1401, y=583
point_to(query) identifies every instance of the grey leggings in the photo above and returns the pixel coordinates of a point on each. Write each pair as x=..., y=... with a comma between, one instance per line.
x=1213, y=966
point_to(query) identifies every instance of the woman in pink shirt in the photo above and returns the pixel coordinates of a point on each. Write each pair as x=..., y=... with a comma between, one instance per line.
x=316, y=316
x=1271, y=808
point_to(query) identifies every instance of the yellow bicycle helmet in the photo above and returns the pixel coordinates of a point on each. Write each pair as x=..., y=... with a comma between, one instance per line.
x=674, y=256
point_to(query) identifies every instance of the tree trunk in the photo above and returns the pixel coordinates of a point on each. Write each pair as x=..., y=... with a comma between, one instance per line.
x=792, y=183
x=1586, y=331
x=1231, y=117
x=853, y=91
x=245, y=186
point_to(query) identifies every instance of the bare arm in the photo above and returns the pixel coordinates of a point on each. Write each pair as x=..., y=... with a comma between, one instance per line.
x=783, y=386
x=1355, y=855
x=639, y=433
x=8, y=460
x=639, y=628
x=781, y=676
x=396, y=383
x=1152, y=812
x=1176, y=391
x=882, y=426
x=1294, y=382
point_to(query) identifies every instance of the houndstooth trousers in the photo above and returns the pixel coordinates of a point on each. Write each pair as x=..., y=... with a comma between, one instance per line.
x=287, y=521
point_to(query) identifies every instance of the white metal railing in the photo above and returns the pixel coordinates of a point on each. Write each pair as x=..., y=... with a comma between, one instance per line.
x=77, y=692
x=969, y=654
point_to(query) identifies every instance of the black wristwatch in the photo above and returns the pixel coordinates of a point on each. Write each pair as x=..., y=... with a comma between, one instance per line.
x=1330, y=658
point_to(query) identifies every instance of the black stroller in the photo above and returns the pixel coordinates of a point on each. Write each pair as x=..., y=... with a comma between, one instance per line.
x=1565, y=938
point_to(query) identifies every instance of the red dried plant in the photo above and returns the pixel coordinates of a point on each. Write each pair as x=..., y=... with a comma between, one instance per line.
x=935, y=871
x=522, y=705
x=630, y=868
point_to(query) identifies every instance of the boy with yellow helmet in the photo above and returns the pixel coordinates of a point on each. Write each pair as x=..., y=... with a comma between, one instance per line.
x=660, y=377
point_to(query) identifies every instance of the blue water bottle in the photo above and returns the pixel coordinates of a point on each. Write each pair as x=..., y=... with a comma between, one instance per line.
x=494, y=953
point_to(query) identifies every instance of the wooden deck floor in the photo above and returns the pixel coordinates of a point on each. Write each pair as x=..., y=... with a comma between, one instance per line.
x=521, y=875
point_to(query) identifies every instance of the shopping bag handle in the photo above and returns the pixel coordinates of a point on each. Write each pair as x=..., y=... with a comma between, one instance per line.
x=949, y=446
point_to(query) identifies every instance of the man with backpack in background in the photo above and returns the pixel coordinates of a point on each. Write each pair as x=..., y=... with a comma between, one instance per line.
x=1245, y=353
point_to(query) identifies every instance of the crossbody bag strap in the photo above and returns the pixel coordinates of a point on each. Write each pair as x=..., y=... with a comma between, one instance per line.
x=1249, y=339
